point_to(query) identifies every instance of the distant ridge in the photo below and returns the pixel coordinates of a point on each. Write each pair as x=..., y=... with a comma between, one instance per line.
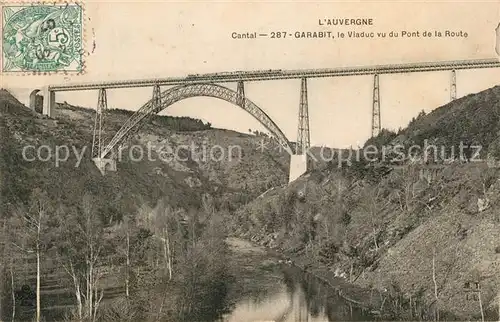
x=11, y=105
x=473, y=119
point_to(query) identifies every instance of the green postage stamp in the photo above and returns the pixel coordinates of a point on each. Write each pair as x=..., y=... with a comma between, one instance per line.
x=42, y=38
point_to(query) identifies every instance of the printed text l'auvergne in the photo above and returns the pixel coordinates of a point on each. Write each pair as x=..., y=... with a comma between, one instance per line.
x=345, y=21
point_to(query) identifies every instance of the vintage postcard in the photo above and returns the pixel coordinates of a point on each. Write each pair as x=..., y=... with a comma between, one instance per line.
x=249, y=161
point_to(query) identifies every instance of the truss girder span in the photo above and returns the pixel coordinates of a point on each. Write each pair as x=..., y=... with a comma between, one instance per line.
x=182, y=92
x=288, y=74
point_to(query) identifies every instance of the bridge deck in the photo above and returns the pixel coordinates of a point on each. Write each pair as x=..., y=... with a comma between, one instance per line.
x=226, y=77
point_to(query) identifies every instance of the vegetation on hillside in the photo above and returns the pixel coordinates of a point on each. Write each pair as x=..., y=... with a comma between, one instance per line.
x=472, y=120
x=166, y=262
x=145, y=243
x=419, y=236
x=174, y=123
x=417, y=233
x=375, y=230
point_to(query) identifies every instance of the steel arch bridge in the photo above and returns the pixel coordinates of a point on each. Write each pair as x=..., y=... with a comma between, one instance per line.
x=181, y=92
x=210, y=85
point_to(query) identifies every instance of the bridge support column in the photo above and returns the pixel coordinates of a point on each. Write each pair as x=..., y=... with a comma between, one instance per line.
x=32, y=102
x=303, y=135
x=102, y=106
x=299, y=163
x=453, y=86
x=157, y=98
x=376, y=107
x=241, y=94
x=105, y=164
x=102, y=164
x=49, y=102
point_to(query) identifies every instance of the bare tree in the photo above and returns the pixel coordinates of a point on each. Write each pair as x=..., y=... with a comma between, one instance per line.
x=34, y=223
x=32, y=235
x=481, y=305
x=81, y=254
x=8, y=252
x=435, y=283
x=12, y=290
x=91, y=231
x=125, y=232
x=168, y=253
x=124, y=250
x=484, y=180
x=373, y=204
x=70, y=269
x=163, y=231
x=406, y=191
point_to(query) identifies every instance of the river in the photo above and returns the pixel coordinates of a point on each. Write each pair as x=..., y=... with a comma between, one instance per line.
x=259, y=288
x=267, y=290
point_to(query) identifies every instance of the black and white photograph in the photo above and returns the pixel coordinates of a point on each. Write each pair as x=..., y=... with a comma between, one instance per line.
x=249, y=161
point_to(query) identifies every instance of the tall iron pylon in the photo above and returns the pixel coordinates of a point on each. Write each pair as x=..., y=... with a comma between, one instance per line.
x=453, y=86
x=98, y=139
x=376, y=107
x=303, y=135
x=156, y=98
x=241, y=94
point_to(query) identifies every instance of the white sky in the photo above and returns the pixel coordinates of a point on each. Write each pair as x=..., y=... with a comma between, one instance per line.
x=161, y=39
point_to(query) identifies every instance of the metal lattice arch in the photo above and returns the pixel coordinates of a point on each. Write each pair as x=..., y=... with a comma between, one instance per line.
x=178, y=93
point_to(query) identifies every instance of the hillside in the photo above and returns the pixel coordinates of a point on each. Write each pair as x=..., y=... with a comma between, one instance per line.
x=473, y=120
x=232, y=179
x=420, y=234
x=187, y=188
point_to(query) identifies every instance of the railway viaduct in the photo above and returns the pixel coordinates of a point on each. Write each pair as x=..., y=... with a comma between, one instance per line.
x=212, y=85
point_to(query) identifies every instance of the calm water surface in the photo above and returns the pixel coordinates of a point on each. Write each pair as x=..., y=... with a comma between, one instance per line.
x=292, y=296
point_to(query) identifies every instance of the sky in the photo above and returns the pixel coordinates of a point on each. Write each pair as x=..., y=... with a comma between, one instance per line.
x=161, y=39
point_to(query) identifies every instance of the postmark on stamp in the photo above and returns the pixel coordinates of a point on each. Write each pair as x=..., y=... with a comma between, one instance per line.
x=42, y=38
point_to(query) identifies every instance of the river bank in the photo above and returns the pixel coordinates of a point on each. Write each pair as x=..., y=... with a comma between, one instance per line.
x=384, y=304
x=290, y=289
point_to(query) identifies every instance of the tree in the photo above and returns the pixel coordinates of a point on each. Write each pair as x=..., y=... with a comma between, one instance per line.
x=204, y=272
x=124, y=248
x=8, y=251
x=82, y=252
x=482, y=180
x=33, y=234
x=436, y=293
x=405, y=189
x=165, y=228
x=371, y=202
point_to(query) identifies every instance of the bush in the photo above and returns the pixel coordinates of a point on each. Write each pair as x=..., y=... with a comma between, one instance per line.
x=328, y=253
